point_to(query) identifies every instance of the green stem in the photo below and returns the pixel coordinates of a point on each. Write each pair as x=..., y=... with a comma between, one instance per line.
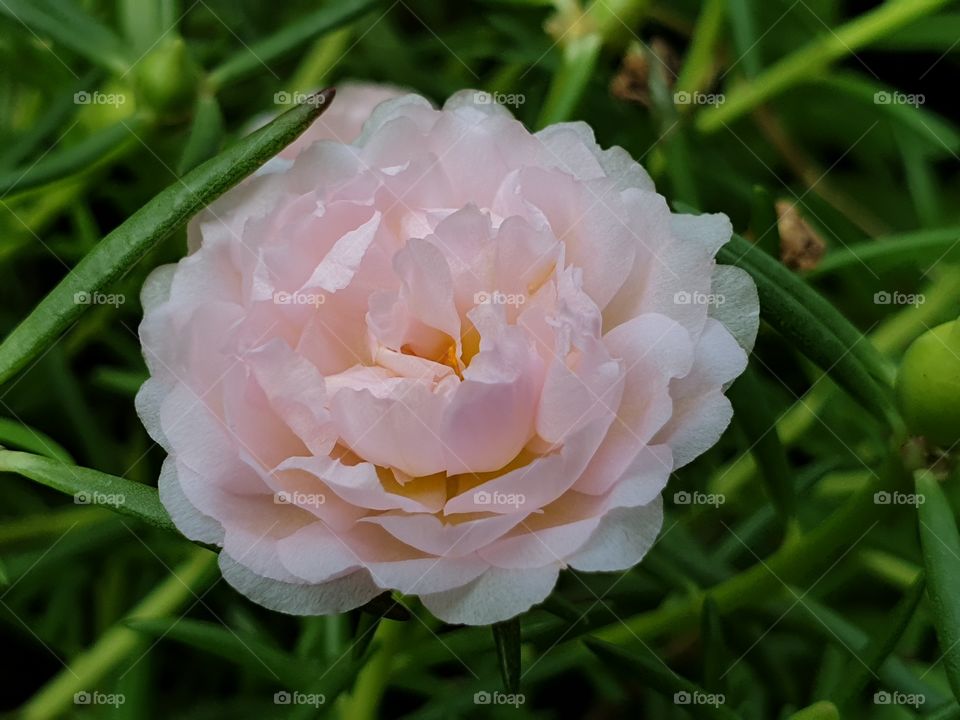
x=816, y=58
x=372, y=680
x=809, y=554
x=120, y=642
x=699, y=66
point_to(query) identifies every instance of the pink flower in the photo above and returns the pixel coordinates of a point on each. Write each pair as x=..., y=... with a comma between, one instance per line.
x=450, y=359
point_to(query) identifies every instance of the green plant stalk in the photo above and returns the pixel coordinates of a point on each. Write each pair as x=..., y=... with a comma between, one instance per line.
x=570, y=80
x=19, y=531
x=123, y=247
x=363, y=702
x=320, y=60
x=809, y=553
x=118, y=643
x=815, y=58
x=699, y=66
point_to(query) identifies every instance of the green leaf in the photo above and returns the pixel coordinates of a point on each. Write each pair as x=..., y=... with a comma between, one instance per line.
x=26, y=438
x=259, y=55
x=206, y=134
x=72, y=159
x=715, y=655
x=814, y=327
x=941, y=558
x=818, y=711
x=743, y=27
x=90, y=487
x=123, y=247
x=570, y=80
x=506, y=638
x=240, y=648
x=652, y=672
x=758, y=422
x=925, y=246
x=814, y=59
x=70, y=26
x=866, y=665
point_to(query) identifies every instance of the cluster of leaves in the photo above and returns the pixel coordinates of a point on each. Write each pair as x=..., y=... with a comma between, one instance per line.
x=788, y=587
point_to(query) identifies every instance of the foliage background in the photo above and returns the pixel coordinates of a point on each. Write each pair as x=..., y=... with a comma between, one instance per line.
x=770, y=598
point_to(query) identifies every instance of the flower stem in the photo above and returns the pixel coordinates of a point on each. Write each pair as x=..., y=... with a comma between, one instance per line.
x=119, y=642
x=372, y=680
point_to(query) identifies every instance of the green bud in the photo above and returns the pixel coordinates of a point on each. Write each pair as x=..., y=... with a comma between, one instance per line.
x=168, y=79
x=928, y=385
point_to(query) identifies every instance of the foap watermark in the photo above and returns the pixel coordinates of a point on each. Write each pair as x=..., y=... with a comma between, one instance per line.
x=683, y=497
x=883, y=497
x=697, y=697
x=301, y=499
x=95, y=497
x=482, y=497
x=884, y=297
x=298, y=98
x=482, y=97
x=315, y=299
x=284, y=697
x=98, y=298
x=496, y=697
x=885, y=97
x=682, y=97
x=95, y=697
x=683, y=297
x=495, y=297
x=96, y=97
x=885, y=697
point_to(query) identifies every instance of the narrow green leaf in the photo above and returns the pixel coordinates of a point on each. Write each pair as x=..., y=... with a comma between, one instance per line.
x=26, y=438
x=506, y=638
x=652, y=672
x=715, y=656
x=206, y=134
x=240, y=648
x=925, y=246
x=123, y=247
x=70, y=26
x=4, y=578
x=865, y=667
x=743, y=26
x=815, y=58
x=699, y=65
x=818, y=711
x=758, y=422
x=570, y=80
x=120, y=643
x=815, y=328
x=90, y=487
x=260, y=54
x=763, y=222
x=941, y=558
x=72, y=159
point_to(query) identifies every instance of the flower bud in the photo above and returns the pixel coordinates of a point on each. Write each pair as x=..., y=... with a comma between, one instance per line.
x=167, y=79
x=928, y=385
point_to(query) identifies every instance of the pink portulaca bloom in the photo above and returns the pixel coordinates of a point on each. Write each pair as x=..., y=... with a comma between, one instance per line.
x=442, y=355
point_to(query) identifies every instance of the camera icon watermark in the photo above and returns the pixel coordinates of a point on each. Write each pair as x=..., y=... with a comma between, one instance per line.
x=285, y=697
x=95, y=697
x=884, y=297
x=497, y=498
x=300, y=499
x=885, y=697
x=684, y=297
x=95, y=497
x=683, y=697
x=495, y=297
x=682, y=97
x=315, y=299
x=884, y=497
x=283, y=97
x=484, y=697
x=98, y=298
x=885, y=97
x=482, y=97
x=684, y=497
x=83, y=97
